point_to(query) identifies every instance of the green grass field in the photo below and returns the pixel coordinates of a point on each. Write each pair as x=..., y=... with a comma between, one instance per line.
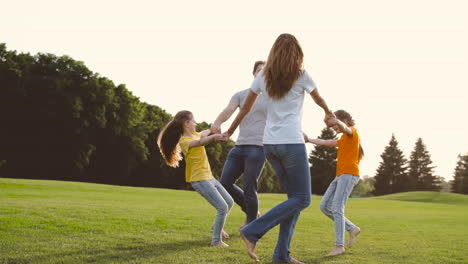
x=68, y=222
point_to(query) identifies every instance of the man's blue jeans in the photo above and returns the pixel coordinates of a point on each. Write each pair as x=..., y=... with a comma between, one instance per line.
x=292, y=167
x=249, y=161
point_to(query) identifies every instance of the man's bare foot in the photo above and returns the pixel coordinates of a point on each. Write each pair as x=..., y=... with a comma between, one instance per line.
x=352, y=236
x=291, y=260
x=224, y=234
x=219, y=244
x=250, y=247
x=336, y=251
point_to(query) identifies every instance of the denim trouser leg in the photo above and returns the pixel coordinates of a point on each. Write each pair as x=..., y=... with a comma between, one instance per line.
x=291, y=165
x=249, y=161
x=334, y=201
x=217, y=196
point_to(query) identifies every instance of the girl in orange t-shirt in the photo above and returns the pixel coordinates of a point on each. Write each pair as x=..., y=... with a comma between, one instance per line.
x=349, y=154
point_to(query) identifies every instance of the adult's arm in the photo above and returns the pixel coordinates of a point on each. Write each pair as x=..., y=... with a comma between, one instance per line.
x=248, y=104
x=223, y=117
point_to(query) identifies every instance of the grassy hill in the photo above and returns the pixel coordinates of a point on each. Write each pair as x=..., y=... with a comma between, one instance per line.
x=428, y=197
x=68, y=222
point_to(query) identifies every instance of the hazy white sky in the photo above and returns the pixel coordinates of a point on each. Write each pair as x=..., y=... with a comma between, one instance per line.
x=397, y=66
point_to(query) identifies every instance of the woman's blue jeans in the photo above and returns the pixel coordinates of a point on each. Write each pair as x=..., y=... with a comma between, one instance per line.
x=292, y=167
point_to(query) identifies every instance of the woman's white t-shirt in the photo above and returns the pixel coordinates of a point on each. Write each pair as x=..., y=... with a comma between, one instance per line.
x=284, y=116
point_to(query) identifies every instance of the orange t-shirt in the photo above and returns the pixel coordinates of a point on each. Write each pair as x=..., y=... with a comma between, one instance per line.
x=348, y=154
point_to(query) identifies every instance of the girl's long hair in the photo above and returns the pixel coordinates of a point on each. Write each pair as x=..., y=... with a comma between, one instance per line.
x=343, y=115
x=168, y=139
x=284, y=66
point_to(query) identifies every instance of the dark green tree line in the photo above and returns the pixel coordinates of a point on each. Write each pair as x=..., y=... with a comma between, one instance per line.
x=62, y=121
x=459, y=184
x=323, y=163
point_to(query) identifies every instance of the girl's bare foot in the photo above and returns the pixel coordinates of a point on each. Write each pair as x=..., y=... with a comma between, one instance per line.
x=336, y=251
x=224, y=234
x=250, y=247
x=352, y=235
x=219, y=244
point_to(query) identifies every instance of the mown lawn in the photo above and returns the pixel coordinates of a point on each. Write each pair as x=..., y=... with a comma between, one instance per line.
x=69, y=222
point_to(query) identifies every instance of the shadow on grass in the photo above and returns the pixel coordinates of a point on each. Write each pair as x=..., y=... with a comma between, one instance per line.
x=128, y=253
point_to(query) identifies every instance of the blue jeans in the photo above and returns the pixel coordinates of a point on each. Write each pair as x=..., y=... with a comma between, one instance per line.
x=292, y=167
x=217, y=196
x=334, y=201
x=248, y=160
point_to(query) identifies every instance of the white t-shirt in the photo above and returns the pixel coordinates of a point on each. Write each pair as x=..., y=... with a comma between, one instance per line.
x=284, y=116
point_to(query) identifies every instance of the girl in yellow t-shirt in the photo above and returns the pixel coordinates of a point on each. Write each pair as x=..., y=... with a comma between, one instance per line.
x=349, y=154
x=178, y=136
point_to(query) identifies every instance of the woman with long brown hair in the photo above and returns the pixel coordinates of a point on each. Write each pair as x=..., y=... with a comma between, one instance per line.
x=285, y=83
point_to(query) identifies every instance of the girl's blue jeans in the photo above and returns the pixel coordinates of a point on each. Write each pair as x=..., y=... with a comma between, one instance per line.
x=334, y=201
x=217, y=196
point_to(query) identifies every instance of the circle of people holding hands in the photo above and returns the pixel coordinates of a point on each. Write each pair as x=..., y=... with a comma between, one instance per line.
x=269, y=117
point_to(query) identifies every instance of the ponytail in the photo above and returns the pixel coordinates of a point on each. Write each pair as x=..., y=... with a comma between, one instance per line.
x=361, y=151
x=168, y=139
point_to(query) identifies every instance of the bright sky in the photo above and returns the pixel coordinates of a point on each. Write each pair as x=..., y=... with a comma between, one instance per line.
x=397, y=66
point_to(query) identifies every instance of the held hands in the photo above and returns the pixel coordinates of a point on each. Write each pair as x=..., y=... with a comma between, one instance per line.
x=224, y=137
x=215, y=128
x=330, y=119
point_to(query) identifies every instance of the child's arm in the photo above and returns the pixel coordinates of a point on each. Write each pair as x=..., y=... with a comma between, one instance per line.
x=205, y=140
x=343, y=127
x=205, y=133
x=321, y=142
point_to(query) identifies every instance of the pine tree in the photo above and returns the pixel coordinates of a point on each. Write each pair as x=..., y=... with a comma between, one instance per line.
x=421, y=171
x=460, y=177
x=391, y=174
x=323, y=164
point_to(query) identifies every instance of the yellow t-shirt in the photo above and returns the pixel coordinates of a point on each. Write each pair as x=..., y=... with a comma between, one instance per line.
x=197, y=167
x=348, y=154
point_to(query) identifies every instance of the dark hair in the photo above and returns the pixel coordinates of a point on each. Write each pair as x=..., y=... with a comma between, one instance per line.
x=342, y=115
x=284, y=66
x=168, y=139
x=257, y=63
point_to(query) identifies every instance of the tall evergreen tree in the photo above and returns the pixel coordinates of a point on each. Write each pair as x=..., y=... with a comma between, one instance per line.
x=391, y=174
x=421, y=172
x=460, y=177
x=323, y=164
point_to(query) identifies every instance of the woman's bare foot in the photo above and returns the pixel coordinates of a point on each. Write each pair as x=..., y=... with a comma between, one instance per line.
x=250, y=247
x=336, y=251
x=352, y=236
x=224, y=234
x=219, y=244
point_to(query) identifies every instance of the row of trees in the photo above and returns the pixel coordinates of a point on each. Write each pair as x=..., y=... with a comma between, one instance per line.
x=62, y=121
x=394, y=174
